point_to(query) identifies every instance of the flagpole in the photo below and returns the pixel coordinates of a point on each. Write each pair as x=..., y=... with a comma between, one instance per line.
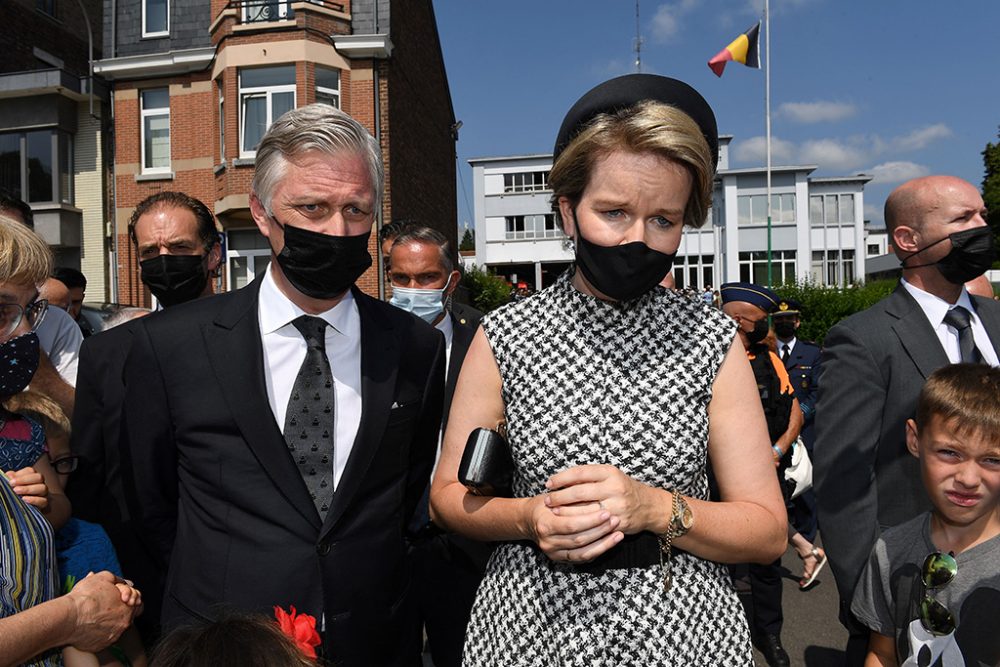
x=767, y=122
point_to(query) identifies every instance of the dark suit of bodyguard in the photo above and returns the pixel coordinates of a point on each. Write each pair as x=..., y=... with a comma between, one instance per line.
x=247, y=501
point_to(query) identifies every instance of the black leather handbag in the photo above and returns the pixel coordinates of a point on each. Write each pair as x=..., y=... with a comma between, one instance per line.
x=487, y=468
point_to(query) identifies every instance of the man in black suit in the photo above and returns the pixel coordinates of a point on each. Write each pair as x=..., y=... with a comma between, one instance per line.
x=281, y=435
x=875, y=362
x=802, y=361
x=174, y=235
x=447, y=568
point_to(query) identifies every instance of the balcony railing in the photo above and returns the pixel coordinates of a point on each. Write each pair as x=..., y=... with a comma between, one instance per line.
x=259, y=11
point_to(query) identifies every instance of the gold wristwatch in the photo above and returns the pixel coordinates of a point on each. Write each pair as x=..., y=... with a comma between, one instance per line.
x=681, y=519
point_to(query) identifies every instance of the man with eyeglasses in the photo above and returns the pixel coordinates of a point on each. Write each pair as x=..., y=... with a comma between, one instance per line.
x=281, y=435
x=177, y=244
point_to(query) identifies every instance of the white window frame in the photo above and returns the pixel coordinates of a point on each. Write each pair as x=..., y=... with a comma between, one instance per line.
x=776, y=210
x=526, y=181
x=783, y=265
x=222, y=127
x=533, y=227
x=845, y=211
x=323, y=91
x=161, y=33
x=284, y=10
x=268, y=92
x=685, y=264
x=143, y=115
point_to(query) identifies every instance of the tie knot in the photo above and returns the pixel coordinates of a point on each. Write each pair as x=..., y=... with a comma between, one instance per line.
x=313, y=329
x=958, y=317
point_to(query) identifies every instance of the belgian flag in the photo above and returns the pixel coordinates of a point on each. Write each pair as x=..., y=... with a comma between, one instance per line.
x=744, y=49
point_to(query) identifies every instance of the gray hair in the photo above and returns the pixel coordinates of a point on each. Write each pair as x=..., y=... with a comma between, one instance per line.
x=421, y=234
x=316, y=127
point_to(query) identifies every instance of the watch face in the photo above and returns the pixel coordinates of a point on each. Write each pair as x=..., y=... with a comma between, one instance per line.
x=687, y=517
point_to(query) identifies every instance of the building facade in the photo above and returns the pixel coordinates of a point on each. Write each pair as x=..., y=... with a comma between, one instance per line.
x=54, y=150
x=817, y=225
x=196, y=84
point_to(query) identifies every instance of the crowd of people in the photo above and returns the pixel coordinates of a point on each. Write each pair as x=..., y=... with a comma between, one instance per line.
x=300, y=445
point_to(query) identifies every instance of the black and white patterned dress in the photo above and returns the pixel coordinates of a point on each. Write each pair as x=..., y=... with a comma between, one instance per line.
x=627, y=384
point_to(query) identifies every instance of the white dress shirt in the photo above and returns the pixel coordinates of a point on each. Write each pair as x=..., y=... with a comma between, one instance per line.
x=285, y=349
x=935, y=308
x=781, y=346
x=447, y=328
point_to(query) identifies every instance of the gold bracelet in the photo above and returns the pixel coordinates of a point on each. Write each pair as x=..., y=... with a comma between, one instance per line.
x=667, y=538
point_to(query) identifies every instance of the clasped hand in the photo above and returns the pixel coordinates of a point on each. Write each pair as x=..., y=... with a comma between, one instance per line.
x=30, y=485
x=587, y=510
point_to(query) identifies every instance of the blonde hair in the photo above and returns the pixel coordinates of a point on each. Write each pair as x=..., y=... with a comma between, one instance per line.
x=42, y=409
x=965, y=397
x=647, y=127
x=25, y=259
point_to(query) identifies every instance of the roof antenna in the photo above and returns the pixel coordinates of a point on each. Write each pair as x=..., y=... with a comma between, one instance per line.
x=638, y=40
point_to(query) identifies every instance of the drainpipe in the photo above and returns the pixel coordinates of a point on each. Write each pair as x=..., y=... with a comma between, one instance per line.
x=378, y=138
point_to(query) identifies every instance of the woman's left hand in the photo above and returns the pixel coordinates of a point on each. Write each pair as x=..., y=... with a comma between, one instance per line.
x=30, y=485
x=578, y=488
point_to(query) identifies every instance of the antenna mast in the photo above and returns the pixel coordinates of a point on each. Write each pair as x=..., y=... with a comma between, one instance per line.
x=638, y=40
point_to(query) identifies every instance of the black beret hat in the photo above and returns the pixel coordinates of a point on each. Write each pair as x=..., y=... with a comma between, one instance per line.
x=788, y=307
x=751, y=293
x=629, y=90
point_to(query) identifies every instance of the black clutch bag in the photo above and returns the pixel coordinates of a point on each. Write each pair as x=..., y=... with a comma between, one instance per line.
x=487, y=468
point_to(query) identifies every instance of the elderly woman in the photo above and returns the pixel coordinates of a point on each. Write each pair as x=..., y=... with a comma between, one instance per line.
x=616, y=393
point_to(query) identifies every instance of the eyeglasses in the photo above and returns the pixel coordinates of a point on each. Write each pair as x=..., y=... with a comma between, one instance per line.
x=938, y=571
x=11, y=314
x=66, y=464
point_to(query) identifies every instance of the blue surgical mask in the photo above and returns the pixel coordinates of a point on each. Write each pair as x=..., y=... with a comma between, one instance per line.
x=427, y=304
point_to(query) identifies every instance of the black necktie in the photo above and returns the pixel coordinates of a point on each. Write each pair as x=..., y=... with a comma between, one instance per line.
x=960, y=319
x=309, y=417
x=785, y=352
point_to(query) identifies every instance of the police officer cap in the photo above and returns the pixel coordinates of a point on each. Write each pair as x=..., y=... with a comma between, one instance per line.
x=759, y=296
x=629, y=90
x=788, y=307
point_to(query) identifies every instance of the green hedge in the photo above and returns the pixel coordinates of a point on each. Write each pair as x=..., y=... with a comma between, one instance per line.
x=822, y=307
x=487, y=291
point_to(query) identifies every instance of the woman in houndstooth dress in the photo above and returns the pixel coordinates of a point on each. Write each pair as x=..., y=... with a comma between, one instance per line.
x=615, y=392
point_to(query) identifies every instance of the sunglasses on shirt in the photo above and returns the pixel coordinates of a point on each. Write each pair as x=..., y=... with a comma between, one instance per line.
x=938, y=571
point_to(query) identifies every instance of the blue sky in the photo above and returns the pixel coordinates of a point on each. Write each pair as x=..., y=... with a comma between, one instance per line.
x=893, y=88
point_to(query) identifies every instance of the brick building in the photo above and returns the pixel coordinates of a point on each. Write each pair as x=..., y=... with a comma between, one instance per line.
x=52, y=129
x=197, y=83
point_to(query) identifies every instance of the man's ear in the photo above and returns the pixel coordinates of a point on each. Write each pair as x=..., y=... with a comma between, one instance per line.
x=905, y=238
x=568, y=219
x=214, y=258
x=260, y=216
x=453, y=281
x=912, y=441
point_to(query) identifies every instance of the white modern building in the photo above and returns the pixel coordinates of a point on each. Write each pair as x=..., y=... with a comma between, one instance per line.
x=817, y=225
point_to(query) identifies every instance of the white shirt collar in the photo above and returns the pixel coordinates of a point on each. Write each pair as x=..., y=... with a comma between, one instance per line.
x=277, y=310
x=934, y=307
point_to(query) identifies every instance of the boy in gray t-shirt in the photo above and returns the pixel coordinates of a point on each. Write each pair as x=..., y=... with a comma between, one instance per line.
x=930, y=593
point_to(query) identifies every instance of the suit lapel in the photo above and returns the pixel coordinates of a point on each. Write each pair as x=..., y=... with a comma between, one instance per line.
x=989, y=314
x=915, y=333
x=379, y=365
x=236, y=354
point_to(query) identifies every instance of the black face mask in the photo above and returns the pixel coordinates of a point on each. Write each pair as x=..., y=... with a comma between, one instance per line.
x=623, y=272
x=175, y=279
x=973, y=251
x=322, y=266
x=784, y=328
x=19, y=361
x=758, y=333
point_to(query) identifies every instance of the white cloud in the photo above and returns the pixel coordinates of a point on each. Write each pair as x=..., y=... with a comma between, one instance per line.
x=874, y=214
x=754, y=150
x=831, y=154
x=922, y=137
x=666, y=21
x=816, y=112
x=897, y=172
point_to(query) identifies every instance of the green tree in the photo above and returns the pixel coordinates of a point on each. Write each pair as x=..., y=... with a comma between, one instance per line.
x=486, y=290
x=468, y=240
x=991, y=185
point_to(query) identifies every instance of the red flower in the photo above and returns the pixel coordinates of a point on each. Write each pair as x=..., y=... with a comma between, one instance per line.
x=300, y=628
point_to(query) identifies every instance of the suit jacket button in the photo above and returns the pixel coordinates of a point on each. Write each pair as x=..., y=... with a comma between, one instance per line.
x=323, y=548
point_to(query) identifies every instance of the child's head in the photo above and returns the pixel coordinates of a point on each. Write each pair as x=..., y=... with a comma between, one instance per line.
x=235, y=639
x=956, y=436
x=54, y=423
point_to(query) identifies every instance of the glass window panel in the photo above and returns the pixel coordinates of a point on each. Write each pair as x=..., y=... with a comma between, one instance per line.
x=816, y=209
x=259, y=77
x=156, y=16
x=706, y=274
x=157, y=98
x=238, y=272
x=65, y=168
x=847, y=208
x=745, y=273
x=760, y=273
x=831, y=210
x=743, y=210
x=328, y=78
x=157, y=134
x=254, y=120
x=788, y=208
x=247, y=239
x=10, y=163
x=758, y=205
x=679, y=279
x=281, y=103
x=260, y=263
x=39, y=147
x=332, y=100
